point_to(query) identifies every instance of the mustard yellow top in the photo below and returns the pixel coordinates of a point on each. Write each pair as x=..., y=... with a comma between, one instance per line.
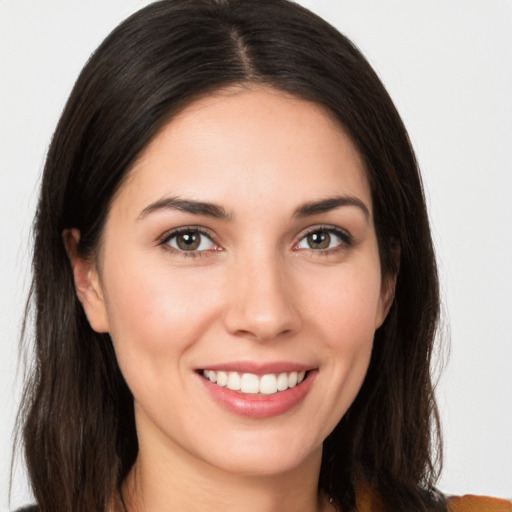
x=470, y=503
x=372, y=502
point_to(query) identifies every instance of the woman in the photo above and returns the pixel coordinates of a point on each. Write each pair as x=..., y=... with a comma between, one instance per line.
x=234, y=283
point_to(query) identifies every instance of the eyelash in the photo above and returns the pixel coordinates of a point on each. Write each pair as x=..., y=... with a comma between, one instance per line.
x=164, y=241
x=347, y=240
x=344, y=236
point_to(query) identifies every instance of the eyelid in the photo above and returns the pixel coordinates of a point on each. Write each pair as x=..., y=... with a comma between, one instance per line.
x=343, y=234
x=164, y=239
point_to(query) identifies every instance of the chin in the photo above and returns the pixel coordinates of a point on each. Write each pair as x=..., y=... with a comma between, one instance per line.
x=262, y=455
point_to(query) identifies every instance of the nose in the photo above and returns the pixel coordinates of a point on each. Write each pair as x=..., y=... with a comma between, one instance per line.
x=262, y=303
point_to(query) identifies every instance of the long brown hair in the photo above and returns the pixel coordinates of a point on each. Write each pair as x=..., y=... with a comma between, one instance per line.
x=77, y=413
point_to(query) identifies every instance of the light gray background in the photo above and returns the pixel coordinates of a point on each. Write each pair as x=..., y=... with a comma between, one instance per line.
x=447, y=65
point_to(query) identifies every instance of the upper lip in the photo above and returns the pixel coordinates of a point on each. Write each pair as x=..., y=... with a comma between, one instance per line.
x=259, y=368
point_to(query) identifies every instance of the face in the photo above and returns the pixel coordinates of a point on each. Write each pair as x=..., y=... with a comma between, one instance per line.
x=239, y=279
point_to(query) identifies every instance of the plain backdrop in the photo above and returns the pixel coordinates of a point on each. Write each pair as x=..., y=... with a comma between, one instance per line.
x=448, y=66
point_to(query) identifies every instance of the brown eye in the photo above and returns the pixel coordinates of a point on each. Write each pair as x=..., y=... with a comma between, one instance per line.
x=319, y=240
x=190, y=241
x=325, y=239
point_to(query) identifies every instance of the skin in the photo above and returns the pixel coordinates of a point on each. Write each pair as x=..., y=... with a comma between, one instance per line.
x=257, y=292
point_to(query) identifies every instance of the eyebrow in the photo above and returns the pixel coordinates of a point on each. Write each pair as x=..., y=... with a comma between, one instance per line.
x=218, y=212
x=331, y=203
x=188, y=206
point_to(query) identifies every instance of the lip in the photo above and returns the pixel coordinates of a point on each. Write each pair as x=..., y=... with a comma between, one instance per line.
x=259, y=368
x=259, y=406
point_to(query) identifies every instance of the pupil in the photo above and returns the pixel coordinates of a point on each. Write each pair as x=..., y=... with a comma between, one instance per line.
x=319, y=240
x=188, y=241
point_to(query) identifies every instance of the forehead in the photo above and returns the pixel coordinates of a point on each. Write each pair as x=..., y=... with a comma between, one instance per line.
x=249, y=144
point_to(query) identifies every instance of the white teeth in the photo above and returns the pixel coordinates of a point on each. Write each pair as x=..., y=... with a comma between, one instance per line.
x=233, y=381
x=268, y=384
x=222, y=378
x=282, y=381
x=250, y=383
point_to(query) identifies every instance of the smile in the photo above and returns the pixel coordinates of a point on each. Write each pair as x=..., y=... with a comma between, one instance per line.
x=258, y=390
x=250, y=383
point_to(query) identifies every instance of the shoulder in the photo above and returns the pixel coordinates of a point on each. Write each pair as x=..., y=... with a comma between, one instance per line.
x=30, y=508
x=368, y=500
x=471, y=503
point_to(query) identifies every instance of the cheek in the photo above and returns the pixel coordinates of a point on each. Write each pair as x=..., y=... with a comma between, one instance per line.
x=347, y=324
x=345, y=305
x=342, y=312
x=155, y=315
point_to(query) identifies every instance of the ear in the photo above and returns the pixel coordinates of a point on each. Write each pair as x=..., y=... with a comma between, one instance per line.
x=388, y=286
x=87, y=283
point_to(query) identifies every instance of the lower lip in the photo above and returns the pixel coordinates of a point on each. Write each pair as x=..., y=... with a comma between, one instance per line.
x=260, y=406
